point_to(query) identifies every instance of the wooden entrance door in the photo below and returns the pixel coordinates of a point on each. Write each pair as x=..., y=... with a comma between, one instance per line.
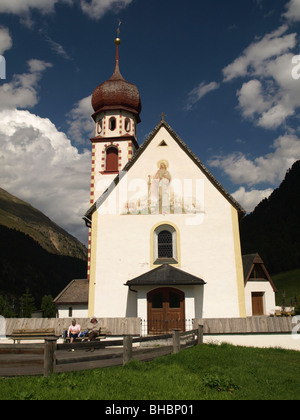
x=166, y=310
x=258, y=303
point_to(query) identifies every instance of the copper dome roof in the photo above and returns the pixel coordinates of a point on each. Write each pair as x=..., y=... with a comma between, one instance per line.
x=116, y=93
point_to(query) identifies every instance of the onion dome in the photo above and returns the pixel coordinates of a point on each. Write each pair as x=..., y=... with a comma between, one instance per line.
x=116, y=93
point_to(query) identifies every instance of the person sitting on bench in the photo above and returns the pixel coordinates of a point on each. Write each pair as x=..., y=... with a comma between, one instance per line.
x=74, y=331
x=94, y=331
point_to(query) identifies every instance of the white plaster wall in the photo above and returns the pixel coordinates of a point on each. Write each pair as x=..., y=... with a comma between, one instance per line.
x=79, y=311
x=206, y=240
x=102, y=182
x=269, y=296
x=285, y=341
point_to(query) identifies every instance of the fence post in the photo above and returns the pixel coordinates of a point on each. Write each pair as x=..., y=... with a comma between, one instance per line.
x=200, y=334
x=176, y=341
x=50, y=355
x=127, y=349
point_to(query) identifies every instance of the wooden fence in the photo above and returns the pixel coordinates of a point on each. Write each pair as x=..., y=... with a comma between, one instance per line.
x=114, y=326
x=49, y=357
x=37, y=359
x=134, y=326
x=250, y=325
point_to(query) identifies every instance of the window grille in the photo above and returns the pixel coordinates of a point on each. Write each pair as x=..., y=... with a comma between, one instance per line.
x=165, y=244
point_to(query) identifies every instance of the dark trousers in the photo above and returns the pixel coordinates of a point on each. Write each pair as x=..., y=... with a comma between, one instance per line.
x=93, y=335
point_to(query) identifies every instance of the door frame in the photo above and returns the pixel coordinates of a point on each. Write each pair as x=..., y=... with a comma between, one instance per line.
x=166, y=322
x=258, y=303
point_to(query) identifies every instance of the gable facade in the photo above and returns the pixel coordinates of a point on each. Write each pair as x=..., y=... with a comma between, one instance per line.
x=165, y=189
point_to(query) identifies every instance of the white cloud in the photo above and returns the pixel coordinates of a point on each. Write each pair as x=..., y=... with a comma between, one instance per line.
x=254, y=58
x=270, y=168
x=22, y=91
x=250, y=199
x=199, y=92
x=293, y=11
x=96, y=9
x=268, y=103
x=39, y=164
x=24, y=6
x=252, y=99
x=57, y=48
x=5, y=40
x=81, y=124
x=272, y=95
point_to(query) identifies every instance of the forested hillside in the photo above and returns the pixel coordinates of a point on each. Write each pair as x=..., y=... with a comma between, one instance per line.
x=273, y=229
x=24, y=264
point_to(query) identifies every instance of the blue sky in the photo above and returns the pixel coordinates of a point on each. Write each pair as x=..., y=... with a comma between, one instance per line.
x=220, y=70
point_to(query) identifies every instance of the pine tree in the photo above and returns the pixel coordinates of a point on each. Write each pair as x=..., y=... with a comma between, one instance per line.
x=27, y=305
x=48, y=307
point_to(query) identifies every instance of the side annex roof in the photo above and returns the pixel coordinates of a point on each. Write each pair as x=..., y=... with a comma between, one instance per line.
x=250, y=261
x=87, y=217
x=76, y=292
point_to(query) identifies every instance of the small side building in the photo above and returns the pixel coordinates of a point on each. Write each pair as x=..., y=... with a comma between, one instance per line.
x=259, y=287
x=72, y=302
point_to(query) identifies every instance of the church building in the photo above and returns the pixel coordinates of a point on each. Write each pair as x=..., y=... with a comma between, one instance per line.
x=164, y=241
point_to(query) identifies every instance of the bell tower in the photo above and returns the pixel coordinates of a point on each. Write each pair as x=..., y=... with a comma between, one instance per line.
x=117, y=107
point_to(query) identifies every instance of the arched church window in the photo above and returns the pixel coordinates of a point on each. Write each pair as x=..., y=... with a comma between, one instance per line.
x=112, y=124
x=165, y=245
x=112, y=159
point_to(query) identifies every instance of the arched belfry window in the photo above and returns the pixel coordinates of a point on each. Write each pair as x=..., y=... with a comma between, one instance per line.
x=112, y=160
x=112, y=124
x=99, y=126
x=165, y=245
x=127, y=125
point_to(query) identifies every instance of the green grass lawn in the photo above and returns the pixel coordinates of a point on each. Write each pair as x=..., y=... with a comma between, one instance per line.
x=208, y=372
x=288, y=284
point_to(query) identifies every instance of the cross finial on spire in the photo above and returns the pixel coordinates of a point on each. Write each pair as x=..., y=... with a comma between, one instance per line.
x=163, y=116
x=118, y=30
x=118, y=41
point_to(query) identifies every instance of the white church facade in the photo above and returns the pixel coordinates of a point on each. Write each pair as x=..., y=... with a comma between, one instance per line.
x=164, y=241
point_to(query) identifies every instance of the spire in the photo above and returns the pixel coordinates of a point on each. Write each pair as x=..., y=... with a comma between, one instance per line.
x=117, y=75
x=116, y=93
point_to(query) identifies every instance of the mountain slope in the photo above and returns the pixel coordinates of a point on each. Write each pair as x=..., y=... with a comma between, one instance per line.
x=273, y=229
x=19, y=215
x=24, y=264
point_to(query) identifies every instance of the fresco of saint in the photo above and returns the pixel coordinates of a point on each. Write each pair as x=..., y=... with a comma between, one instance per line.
x=162, y=179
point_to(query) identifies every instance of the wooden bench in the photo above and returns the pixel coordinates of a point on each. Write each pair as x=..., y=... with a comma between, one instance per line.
x=102, y=335
x=30, y=334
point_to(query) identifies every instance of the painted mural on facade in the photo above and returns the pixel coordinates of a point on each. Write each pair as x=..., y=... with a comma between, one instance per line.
x=164, y=193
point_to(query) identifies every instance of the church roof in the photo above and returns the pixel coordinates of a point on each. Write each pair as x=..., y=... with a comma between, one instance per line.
x=76, y=292
x=165, y=275
x=186, y=149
